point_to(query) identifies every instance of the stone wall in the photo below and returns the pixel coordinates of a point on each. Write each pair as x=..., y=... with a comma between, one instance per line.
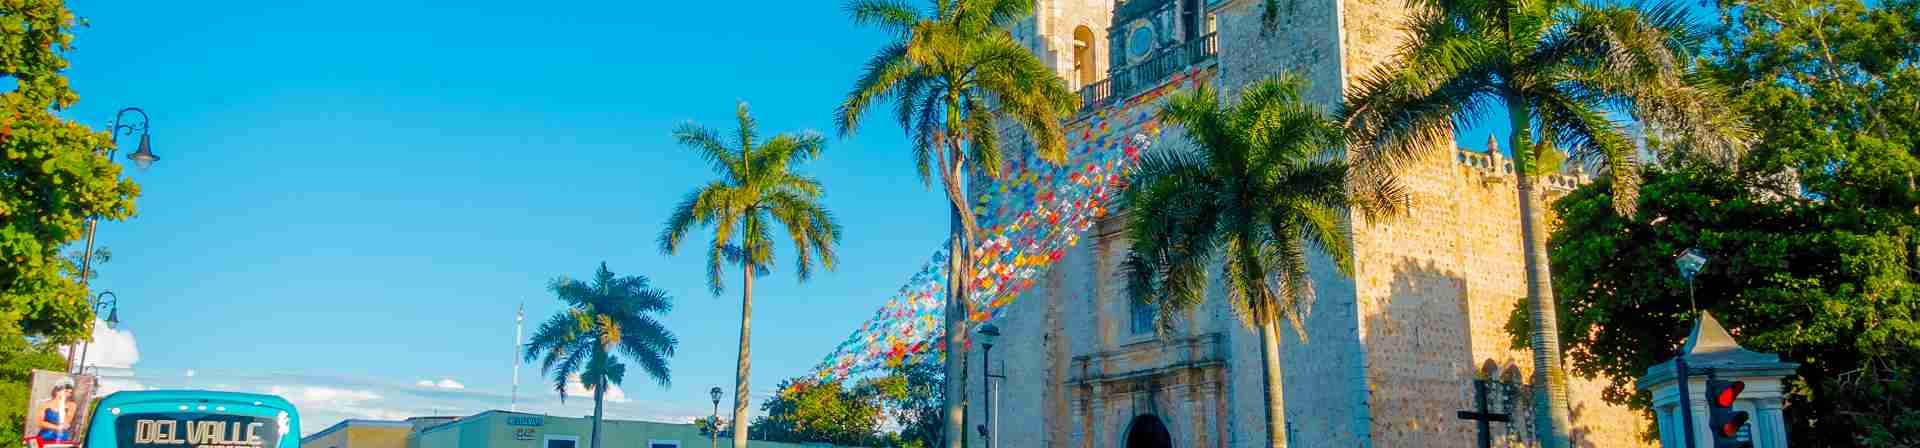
x=1388, y=355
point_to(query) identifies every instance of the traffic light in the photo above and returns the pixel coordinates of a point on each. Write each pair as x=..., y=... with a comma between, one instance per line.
x=1725, y=422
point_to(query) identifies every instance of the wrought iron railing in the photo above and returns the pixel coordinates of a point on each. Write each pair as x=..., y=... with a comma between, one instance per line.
x=1126, y=81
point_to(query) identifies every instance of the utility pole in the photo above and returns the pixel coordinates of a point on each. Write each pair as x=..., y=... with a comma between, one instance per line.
x=519, y=317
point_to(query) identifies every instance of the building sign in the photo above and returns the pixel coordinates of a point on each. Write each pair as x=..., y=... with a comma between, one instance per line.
x=524, y=433
x=525, y=420
x=194, y=430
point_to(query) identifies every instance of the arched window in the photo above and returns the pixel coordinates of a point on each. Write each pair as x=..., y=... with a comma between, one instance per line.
x=1084, y=69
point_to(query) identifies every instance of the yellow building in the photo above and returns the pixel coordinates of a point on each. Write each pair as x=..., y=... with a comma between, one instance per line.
x=354, y=433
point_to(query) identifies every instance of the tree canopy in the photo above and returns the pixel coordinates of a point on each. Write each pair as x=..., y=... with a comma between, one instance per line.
x=54, y=175
x=807, y=410
x=1812, y=238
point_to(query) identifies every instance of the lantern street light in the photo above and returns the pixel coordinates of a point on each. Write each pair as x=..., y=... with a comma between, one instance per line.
x=714, y=433
x=989, y=334
x=109, y=303
x=142, y=157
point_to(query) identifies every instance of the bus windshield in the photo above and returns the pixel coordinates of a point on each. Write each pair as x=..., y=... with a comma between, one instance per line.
x=193, y=419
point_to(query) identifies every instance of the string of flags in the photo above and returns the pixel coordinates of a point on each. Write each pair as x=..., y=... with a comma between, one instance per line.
x=1028, y=219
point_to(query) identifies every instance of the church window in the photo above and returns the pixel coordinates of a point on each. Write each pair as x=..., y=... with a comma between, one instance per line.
x=1141, y=316
x=1190, y=19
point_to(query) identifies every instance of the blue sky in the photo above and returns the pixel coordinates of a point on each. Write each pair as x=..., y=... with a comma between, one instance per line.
x=355, y=195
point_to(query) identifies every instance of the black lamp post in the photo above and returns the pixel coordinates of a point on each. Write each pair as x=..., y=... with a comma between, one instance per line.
x=714, y=434
x=988, y=335
x=106, y=302
x=142, y=157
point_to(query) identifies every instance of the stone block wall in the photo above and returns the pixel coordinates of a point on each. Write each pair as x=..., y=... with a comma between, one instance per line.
x=1389, y=354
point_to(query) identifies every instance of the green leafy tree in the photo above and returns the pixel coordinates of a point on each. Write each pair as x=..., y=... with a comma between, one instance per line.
x=1812, y=238
x=54, y=175
x=954, y=74
x=603, y=320
x=1557, y=68
x=19, y=357
x=811, y=411
x=1263, y=187
x=758, y=187
x=912, y=395
x=1784, y=277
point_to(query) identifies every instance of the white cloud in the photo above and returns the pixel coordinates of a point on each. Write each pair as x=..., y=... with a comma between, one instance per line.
x=110, y=349
x=576, y=389
x=444, y=383
x=341, y=402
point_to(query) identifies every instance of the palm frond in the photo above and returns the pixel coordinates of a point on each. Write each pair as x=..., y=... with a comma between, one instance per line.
x=707, y=143
x=893, y=16
x=880, y=79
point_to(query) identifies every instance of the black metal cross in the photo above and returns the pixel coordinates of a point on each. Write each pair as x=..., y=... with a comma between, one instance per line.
x=1483, y=417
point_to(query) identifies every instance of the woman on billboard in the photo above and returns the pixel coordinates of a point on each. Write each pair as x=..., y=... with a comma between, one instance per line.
x=55, y=423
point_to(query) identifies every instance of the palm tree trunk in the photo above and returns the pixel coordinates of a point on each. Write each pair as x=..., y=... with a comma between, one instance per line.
x=956, y=329
x=1551, y=422
x=599, y=398
x=1270, y=366
x=1554, y=420
x=740, y=372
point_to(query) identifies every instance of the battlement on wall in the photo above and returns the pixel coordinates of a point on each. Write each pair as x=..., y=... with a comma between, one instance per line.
x=1493, y=164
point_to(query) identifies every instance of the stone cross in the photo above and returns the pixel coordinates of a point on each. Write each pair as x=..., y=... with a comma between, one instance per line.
x=1483, y=417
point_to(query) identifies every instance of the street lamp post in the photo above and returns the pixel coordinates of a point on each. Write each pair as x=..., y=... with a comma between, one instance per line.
x=142, y=157
x=1690, y=262
x=714, y=433
x=988, y=335
x=109, y=303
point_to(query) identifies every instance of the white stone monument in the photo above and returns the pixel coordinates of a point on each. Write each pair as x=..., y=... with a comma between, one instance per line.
x=1710, y=347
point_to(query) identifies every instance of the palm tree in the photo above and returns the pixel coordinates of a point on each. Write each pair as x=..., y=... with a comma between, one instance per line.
x=1559, y=68
x=612, y=316
x=1262, y=187
x=953, y=73
x=757, y=188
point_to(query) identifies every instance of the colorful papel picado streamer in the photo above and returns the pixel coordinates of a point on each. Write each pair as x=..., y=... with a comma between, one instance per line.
x=1028, y=218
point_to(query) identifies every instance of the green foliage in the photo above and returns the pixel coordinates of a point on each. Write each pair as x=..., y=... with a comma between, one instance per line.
x=18, y=358
x=1783, y=278
x=807, y=410
x=1557, y=68
x=1261, y=189
x=758, y=187
x=604, y=320
x=54, y=175
x=609, y=317
x=1828, y=278
x=953, y=74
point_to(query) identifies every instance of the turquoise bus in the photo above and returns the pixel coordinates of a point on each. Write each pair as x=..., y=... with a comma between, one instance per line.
x=193, y=419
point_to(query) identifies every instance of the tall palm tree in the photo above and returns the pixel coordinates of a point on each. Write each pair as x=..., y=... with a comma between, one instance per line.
x=611, y=316
x=1263, y=186
x=1558, y=68
x=953, y=73
x=757, y=188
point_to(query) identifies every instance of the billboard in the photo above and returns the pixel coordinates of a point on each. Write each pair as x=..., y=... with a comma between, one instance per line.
x=57, y=409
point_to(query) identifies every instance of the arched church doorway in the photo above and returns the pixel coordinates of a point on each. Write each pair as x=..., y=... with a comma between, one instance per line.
x=1147, y=432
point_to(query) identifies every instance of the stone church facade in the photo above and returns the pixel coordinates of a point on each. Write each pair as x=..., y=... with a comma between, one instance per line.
x=1391, y=353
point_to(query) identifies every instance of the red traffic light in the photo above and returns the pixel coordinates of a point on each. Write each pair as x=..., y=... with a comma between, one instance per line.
x=1733, y=424
x=1725, y=396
